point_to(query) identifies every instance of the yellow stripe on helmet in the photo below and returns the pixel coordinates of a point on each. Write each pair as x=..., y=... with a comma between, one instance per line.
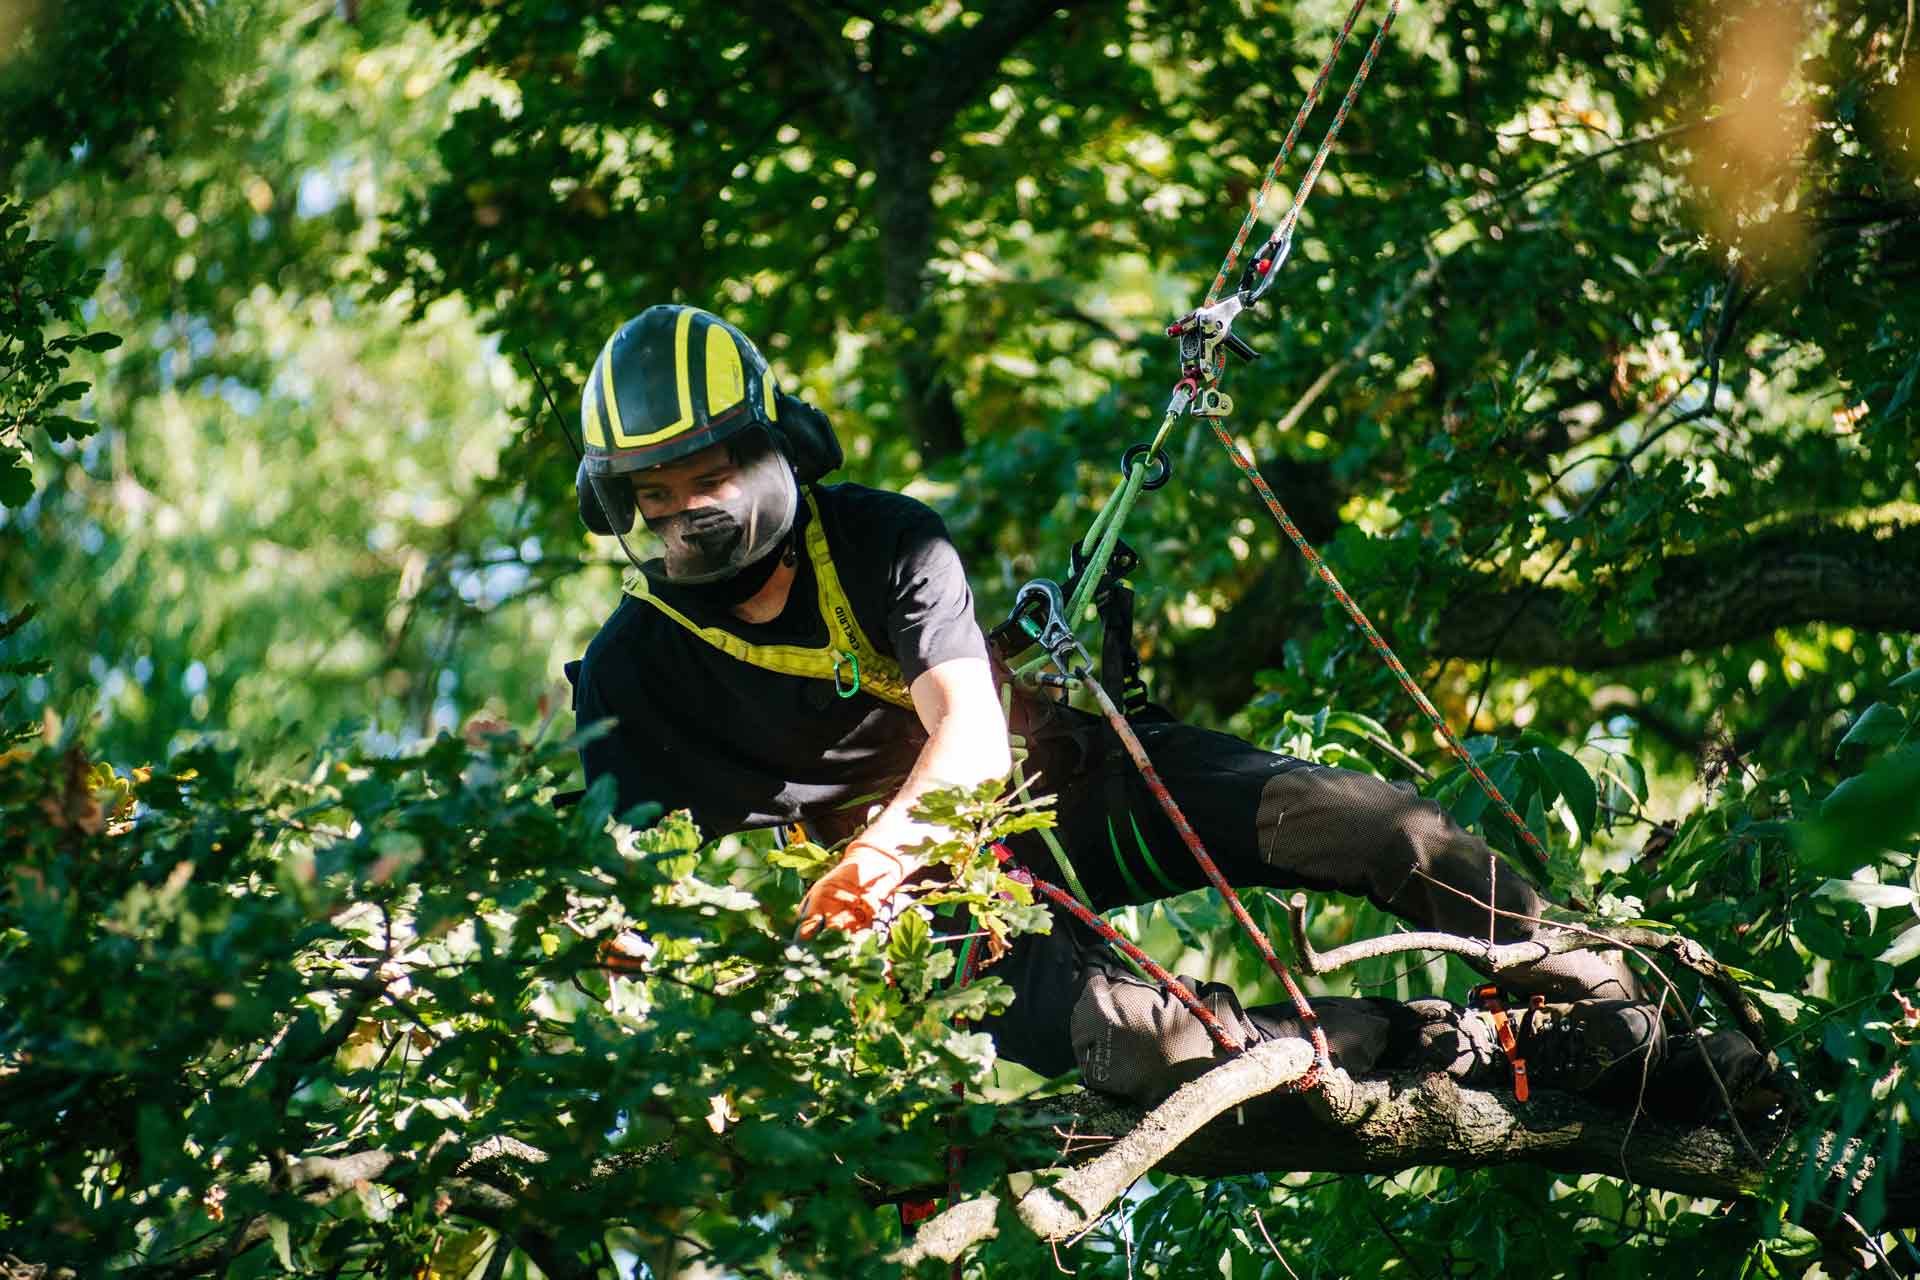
x=590, y=400
x=682, y=379
x=726, y=376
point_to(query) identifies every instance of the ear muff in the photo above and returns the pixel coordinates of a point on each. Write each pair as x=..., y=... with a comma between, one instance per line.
x=806, y=437
x=607, y=508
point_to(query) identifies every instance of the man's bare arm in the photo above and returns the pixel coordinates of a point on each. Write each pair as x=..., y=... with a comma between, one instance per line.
x=966, y=745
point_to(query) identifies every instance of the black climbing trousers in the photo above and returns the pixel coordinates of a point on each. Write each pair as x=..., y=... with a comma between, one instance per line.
x=1267, y=820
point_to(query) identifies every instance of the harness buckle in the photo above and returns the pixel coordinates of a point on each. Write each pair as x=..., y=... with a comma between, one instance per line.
x=1488, y=997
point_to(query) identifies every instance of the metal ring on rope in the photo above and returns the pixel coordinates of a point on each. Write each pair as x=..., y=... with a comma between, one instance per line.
x=1155, y=480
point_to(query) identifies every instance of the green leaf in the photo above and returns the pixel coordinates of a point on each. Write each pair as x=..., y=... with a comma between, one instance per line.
x=1789, y=1008
x=282, y=1242
x=1575, y=785
x=911, y=939
x=1820, y=937
x=1537, y=818
x=1868, y=893
x=803, y=856
x=1903, y=391
x=1903, y=948
x=100, y=341
x=1911, y=680
x=1878, y=725
x=16, y=481
x=61, y=427
x=1473, y=799
x=1631, y=775
x=1864, y=817
x=1355, y=723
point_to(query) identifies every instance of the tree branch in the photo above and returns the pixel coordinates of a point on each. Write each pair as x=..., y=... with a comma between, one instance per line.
x=972, y=56
x=1742, y=590
x=1062, y=1209
x=1684, y=951
x=1866, y=578
x=1389, y=1124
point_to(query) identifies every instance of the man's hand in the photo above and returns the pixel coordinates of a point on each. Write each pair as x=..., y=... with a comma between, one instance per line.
x=850, y=896
x=966, y=744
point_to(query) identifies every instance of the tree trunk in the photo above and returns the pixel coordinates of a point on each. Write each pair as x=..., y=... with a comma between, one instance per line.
x=903, y=191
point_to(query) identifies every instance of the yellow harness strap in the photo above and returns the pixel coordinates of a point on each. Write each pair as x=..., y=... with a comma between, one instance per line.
x=849, y=658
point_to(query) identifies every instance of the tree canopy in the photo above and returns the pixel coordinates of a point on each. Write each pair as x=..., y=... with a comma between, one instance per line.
x=1593, y=374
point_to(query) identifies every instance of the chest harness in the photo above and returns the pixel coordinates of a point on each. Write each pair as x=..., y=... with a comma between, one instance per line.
x=848, y=659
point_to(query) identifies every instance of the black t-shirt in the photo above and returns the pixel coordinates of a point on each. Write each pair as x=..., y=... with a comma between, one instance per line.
x=744, y=747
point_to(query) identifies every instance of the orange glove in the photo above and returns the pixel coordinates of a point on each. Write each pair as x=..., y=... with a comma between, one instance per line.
x=850, y=895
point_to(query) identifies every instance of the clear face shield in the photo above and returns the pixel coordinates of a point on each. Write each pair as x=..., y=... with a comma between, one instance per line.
x=719, y=510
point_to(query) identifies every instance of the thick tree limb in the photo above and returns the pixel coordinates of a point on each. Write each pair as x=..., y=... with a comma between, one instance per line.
x=1061, y=1209
x=1738, y=591
x=1865, y=578
x=1389, y=1124
x=1386, y=1125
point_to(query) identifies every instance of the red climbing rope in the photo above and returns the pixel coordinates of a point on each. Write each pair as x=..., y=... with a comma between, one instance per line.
x=1084, y=914
x=1286, y=148
x=1039, y=608
x=1272, y=254
x=1283, y=231
x=1379, y=643
x=1191, y=838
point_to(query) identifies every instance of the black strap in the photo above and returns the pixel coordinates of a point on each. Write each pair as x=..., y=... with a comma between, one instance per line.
x=1119, y=658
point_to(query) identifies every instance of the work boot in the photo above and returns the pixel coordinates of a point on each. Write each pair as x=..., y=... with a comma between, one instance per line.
x=1602, y=1048
x=1612, y=1051
x=1683, y=1090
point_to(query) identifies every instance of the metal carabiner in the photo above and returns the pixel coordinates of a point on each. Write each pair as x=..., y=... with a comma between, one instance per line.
x=853, y=659
x=1049, y=630
x=1264, y=267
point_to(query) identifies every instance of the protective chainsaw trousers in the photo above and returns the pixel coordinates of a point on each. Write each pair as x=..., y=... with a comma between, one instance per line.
x=1268, y=820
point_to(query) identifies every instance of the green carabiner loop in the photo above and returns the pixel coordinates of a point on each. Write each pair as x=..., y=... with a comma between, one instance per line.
x=853, y=659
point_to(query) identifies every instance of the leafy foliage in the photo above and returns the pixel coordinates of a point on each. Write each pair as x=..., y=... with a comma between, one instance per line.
x=1593, y=374
x=353, y=1015
x=42, y=287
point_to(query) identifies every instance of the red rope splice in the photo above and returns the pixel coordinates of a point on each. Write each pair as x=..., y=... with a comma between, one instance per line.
x=1379, y=644
x=1191, y=839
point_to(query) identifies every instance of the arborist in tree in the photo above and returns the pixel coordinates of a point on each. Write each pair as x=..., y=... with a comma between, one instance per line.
x=801, y=652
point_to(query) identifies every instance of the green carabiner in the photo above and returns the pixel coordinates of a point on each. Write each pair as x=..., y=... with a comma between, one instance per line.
x=853, y=659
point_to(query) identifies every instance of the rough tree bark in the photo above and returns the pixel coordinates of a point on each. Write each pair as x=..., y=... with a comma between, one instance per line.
x=1867, y=578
